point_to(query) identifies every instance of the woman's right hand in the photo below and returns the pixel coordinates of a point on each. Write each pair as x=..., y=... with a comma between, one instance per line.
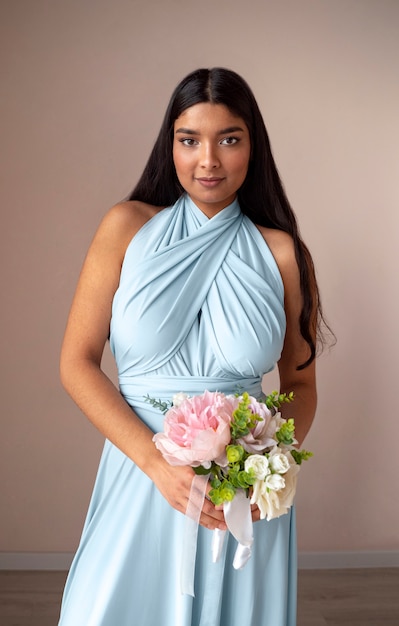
x=174, y=483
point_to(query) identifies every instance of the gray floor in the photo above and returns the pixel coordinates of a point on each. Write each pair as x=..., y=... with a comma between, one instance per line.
x=362, y=597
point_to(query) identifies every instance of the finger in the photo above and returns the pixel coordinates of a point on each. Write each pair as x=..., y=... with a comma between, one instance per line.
x=211, y=523
x=212, y=511
x=211, y=518
x=256, y=515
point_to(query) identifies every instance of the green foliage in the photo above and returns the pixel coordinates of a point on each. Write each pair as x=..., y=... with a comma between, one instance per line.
x=243, y=420
x=240, y=478
x=300, y=455
x=275, y=399
x=221, y=492
x=234, y=453
x=158, y=404
x=286, y=433
x=225, y=481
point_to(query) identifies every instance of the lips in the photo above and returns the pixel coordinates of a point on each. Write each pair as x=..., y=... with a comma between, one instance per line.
x=210, y=182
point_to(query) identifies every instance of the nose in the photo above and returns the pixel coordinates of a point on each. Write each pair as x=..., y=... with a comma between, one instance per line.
x=208, y=157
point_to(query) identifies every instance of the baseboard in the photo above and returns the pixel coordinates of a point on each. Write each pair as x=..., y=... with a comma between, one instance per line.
x=35, y=560
x=306, y=560
x=348, y=560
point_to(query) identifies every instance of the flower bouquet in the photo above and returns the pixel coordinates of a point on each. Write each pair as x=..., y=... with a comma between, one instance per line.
x=243, y=447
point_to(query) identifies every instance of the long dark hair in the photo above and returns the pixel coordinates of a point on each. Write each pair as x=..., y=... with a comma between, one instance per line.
x=262, y=197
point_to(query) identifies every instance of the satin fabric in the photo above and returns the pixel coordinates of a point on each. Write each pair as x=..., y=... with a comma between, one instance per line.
x=199, y=306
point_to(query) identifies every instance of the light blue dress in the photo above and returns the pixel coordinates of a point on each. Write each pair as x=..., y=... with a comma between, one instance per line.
x=199, y=306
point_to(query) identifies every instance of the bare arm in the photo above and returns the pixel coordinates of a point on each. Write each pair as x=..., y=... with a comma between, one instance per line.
x=295, y=349
x=86, y=333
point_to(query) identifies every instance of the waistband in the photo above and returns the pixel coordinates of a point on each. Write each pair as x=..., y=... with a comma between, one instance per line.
x=135, y=388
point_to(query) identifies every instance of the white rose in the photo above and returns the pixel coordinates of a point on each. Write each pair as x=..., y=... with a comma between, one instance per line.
x=270, y=502
x=266, y=500
x=259, y=464
x=288, y=493
x=179, y=398
x=279, y=463
x=275, y=482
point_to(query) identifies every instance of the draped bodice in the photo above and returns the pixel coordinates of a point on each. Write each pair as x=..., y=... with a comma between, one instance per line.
x=198, y=297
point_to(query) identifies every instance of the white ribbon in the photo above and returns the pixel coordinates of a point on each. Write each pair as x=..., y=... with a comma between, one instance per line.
x=238, y=518
x=189, y=549
x=237, y=514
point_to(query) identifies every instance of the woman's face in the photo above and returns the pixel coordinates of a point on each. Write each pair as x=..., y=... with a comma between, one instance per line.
x=211, y=151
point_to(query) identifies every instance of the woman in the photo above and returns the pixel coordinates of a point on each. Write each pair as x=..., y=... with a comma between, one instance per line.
x=207, y=293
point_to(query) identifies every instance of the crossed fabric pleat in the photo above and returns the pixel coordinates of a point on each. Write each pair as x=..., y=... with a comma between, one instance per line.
x=214, y=280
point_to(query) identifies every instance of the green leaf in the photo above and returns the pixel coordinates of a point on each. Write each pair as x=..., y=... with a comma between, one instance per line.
x=243, y=420
x=234, y=453
x=158, y=404
x=301, y=455
x=275, y=399
x=286, y=432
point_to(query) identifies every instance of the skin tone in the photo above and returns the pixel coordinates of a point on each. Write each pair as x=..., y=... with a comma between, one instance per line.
x=211, y=151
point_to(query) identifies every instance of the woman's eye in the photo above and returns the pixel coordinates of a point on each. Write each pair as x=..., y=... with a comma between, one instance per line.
x=188, y=141
x=229, y=141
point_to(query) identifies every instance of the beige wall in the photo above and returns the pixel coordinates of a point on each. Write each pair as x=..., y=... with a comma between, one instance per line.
x=84, y=88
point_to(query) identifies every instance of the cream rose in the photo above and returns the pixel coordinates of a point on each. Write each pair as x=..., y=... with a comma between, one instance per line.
x=259, y=464
x=279, y=462
x=271, y=500
x=266, y=500
x=288, y=493
x=274, y=482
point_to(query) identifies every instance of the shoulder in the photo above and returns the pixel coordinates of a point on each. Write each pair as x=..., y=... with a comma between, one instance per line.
x=122, y=222
x=281, y=245
x=129, y=217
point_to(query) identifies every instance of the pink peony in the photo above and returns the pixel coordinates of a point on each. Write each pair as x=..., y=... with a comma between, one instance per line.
x=197, y=431
x=262, y=435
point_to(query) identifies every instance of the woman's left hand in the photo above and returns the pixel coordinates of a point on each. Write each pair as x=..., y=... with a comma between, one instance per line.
x=255, y=513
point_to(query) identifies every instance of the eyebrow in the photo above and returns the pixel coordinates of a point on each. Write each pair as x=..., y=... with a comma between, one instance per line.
x=224, y=131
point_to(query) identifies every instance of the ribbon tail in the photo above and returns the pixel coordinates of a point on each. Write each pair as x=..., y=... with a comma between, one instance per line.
x=189, y=549
x=238, y=518
x=242, y=555
x=217, y=544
